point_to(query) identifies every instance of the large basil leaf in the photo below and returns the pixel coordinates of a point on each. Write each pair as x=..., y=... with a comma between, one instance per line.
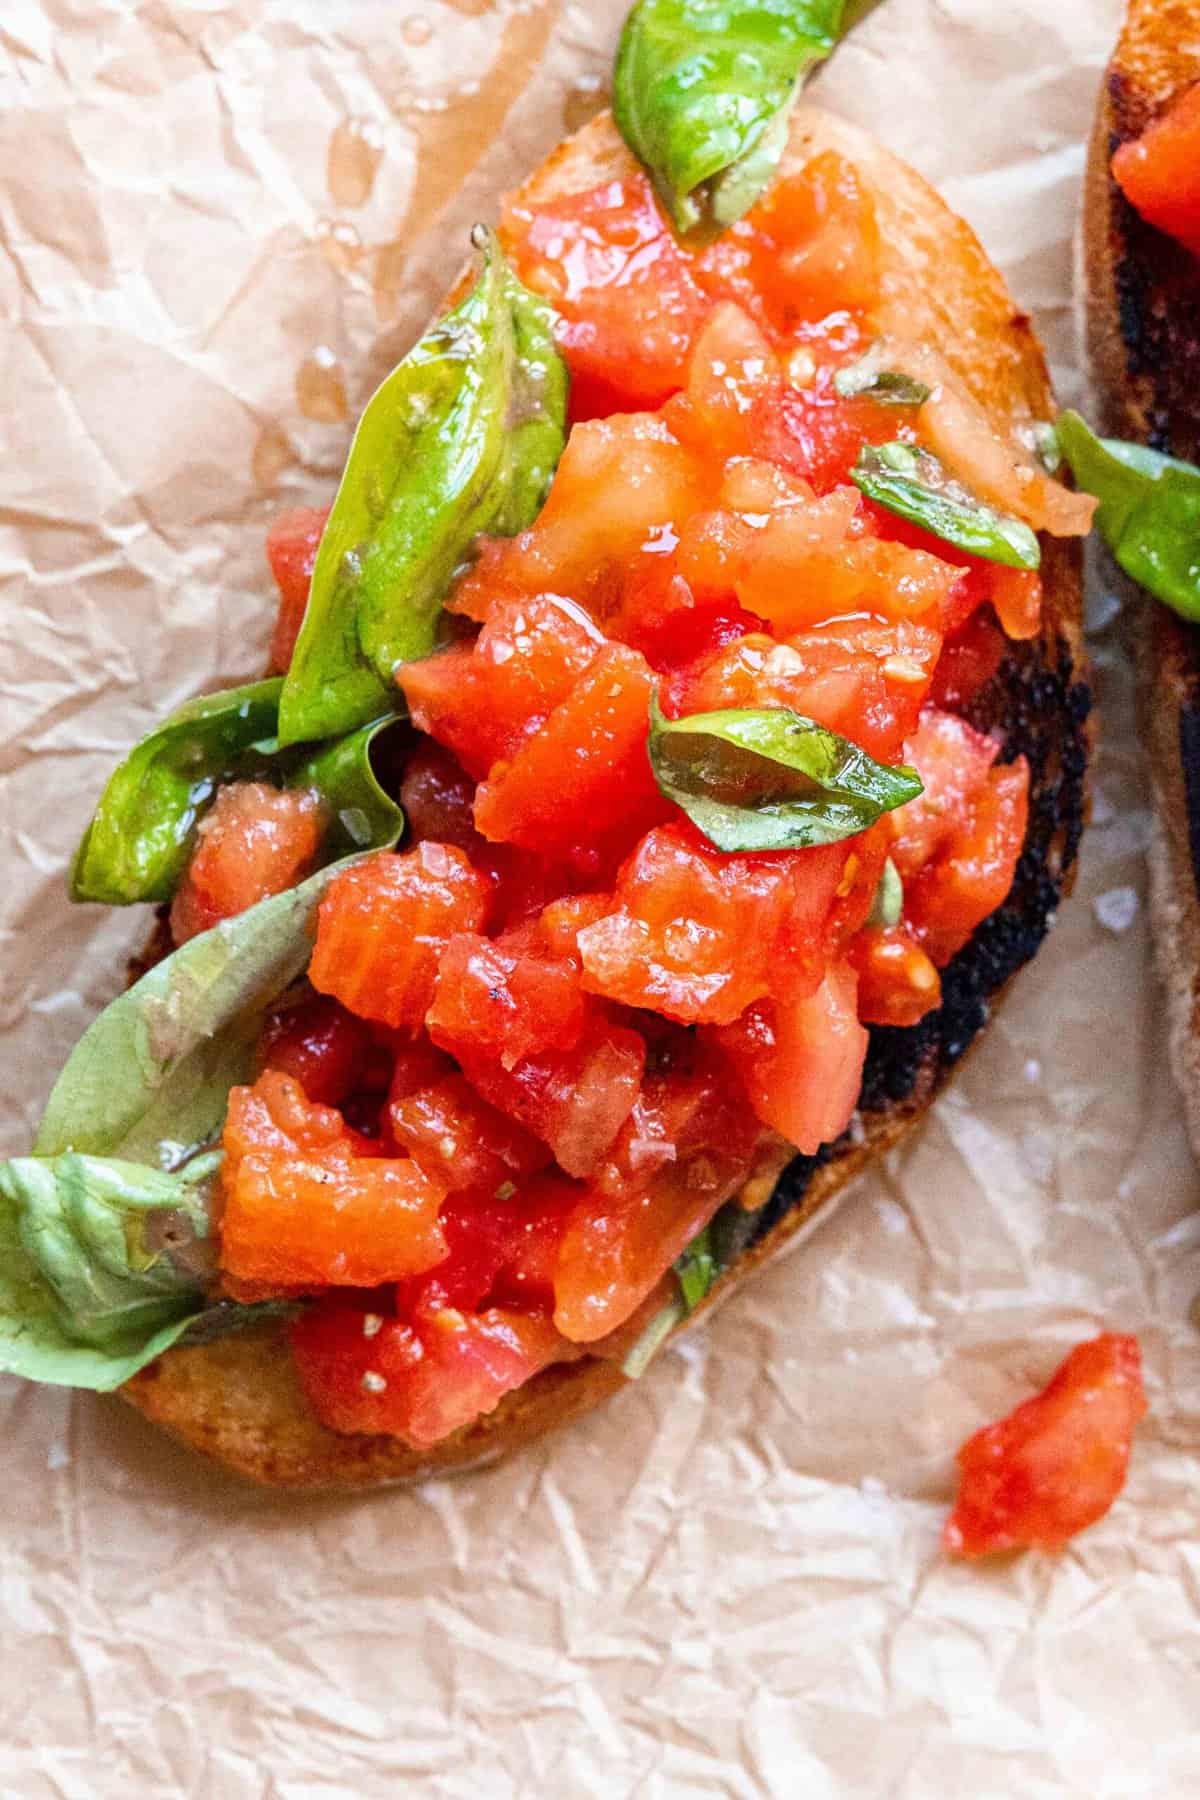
x=702, y=91
x=765, y=778
x=462, y=437
x=915, y=485
x=149, y=1079
x=1149, y=513
x=137, y=845
x=97, y=1268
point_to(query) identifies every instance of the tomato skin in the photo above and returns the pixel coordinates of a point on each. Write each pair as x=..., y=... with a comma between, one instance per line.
x=802, y=1062
x=324, y=1047
x=254, y=841
x=1159, y=173
x=292, y=545
x=1058, y=1461
x=383, y=923
x=363, y=1371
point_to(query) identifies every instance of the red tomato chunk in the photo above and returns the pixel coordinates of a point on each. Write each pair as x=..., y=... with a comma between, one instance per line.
x=1056, y=1464
x=253, y=842
x=1160, y=172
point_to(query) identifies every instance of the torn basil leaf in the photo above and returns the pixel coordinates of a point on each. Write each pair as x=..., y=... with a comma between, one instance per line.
x=913, y=484
x=90, y=1289
x=766, y=778
x=1149, y=513
x=702, y=91
x=462, y=437
x=143, y=832
x=138, y=843
x=696, y=1269
x=889, y=387
x=710, y=1253
x=150, y=1078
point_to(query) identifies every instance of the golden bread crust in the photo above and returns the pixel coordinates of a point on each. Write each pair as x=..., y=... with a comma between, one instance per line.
x=238, y=1400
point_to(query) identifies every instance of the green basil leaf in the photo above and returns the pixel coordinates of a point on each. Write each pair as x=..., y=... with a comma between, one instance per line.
x=462, y=437
x=915, y=485
x=150, y=1078
x=768, y=779
x=890, y=387
x=364, y=815
x=137, y=845
x=702, y=90
x=696, y=1269
x=90, y=1286
x=1149, y=513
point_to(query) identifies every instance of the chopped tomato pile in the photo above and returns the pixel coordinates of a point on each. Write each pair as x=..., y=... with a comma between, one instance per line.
x=1056, y=1464
x=545, y=1040
x=1159, y=173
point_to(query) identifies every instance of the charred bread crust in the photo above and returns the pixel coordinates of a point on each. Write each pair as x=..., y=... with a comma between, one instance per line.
x=238, y=1400
x=1143, y=332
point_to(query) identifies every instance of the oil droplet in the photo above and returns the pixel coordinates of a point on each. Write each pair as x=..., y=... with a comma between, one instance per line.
x=416, y=30
x=583, y=102
x=355, y=153
x=271, y=455
x=339, y=244
x=320, y=389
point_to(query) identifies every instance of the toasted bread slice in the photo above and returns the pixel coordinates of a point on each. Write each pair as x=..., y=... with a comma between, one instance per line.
x=1143, y=330
x=238, y=1400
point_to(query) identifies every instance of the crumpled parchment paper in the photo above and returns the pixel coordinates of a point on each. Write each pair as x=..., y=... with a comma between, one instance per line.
x=220, y=220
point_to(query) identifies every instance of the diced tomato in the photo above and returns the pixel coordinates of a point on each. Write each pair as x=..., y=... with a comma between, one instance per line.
x=856, y=676
x=809, y=248
x=1057, y=1462
x=575, y=1100
x=438, y=798
x=802, y=1062
x=1159, y=173
x=459, y=1140
x=812, y=432
x=973, y=873
x=624, y=291
x=697, y=934
x=620, y=487
x=253, y=842
x=326, y=1048
x=481, y=699
x=292, y=545
x=897, y=982
x=585, y=776
x=731, y=371
x=953, y=760
x=686, y=1148
x=365, y=1372
x=563, y=919
x=1016, y=595
x=502, y=998
x=383, y=924
x=303, y=1206
x=969, y=659
x=684, y=637
x=542, y=1210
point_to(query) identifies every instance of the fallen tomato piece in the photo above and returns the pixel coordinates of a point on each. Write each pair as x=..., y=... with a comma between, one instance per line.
x=1055, y=1464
